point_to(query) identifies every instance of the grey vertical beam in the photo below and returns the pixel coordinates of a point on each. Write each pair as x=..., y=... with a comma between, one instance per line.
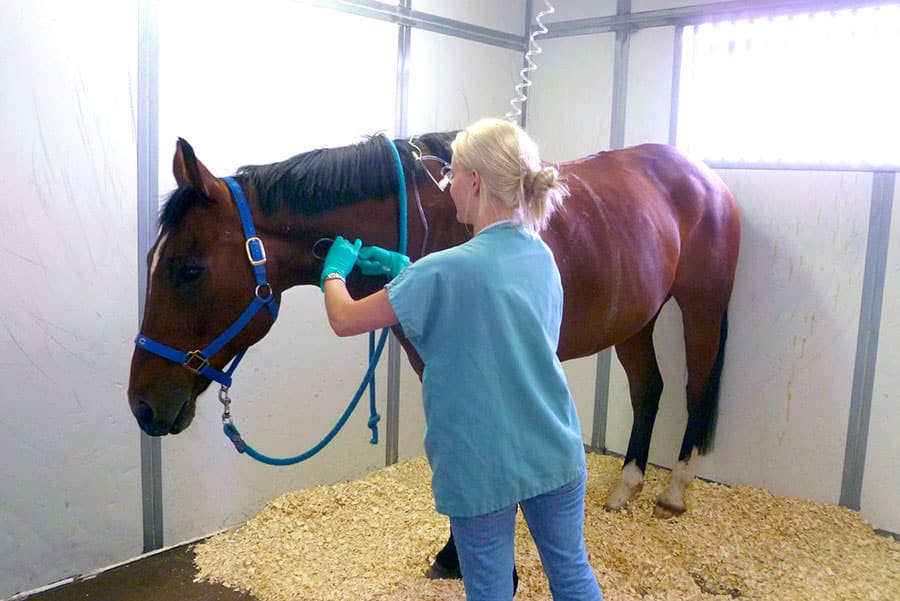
x=392, y=411
x=867, y=341
x=601, y=401
x=620, y=79
x=147, y=208
x=678, y=51
x=401, y=119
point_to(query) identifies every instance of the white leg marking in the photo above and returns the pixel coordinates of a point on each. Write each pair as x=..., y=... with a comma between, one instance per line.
x=671, y=502
x=155, y=262
x=630, y=481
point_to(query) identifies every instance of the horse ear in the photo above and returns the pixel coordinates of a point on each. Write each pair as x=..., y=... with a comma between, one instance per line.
x=189, y=171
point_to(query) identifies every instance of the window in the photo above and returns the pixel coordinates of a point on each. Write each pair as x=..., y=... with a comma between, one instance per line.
x=821, y=88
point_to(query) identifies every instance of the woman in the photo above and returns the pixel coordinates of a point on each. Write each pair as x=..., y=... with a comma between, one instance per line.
x=501, y=427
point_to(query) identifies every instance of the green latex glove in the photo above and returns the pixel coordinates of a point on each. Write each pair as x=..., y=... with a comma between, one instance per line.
x=374, y=260
x=340, y=259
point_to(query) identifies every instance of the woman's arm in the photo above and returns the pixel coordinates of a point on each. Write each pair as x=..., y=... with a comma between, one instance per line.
x=350, y=317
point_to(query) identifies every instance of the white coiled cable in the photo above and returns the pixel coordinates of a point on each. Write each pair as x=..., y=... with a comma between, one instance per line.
x=530, y=65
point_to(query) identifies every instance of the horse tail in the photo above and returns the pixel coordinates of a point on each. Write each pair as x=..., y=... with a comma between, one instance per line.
x=710, y=401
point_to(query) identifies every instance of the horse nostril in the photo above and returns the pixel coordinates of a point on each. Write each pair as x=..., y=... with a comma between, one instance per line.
x=146, y=420
x=144, y=414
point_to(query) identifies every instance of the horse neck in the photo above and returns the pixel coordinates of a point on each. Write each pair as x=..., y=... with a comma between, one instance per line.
x=431, y=219
x=290, y=237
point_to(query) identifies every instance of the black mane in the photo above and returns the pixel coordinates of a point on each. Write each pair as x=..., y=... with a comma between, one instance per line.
x=322, y=179
x=325, y=178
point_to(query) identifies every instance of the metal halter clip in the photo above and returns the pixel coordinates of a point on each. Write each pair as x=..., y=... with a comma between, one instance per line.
x=226, y=403
x=258, y=257
x=195, y=362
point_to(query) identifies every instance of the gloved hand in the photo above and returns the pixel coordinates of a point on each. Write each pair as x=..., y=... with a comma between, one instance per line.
x=374, y=260
x=340, y=259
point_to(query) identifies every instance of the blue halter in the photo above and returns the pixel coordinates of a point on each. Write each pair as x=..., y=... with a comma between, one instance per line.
x=197, y=362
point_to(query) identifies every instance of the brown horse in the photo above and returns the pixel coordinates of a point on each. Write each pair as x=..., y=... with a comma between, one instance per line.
x=641, y=225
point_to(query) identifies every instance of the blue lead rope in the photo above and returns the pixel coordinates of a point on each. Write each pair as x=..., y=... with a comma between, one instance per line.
x=368, y=379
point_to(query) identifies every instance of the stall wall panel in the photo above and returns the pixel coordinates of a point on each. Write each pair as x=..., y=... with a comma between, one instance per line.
x=256, y=83
x=569, y=105
x=569, y=10
x=881, y=478
x=446, y=94
x=792, y=347
x=792, y=339
x=503, y=16
x=647, y=5
x=70, y=499
x=649, y=99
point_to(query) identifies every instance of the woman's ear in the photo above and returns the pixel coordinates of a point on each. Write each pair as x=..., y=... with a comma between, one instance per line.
x=476, y=182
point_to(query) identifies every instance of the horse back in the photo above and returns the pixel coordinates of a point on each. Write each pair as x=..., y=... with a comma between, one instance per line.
x=640, y=223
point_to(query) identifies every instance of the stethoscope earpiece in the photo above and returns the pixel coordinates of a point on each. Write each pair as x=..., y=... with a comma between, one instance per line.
x=321, y=248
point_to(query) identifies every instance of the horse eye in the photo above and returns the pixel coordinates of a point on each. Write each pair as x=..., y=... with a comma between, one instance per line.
x=187, y=274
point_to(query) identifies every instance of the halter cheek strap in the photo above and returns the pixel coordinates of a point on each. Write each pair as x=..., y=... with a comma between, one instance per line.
x=197, y=362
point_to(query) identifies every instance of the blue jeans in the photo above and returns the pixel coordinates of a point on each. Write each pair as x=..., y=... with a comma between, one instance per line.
x=485, y=545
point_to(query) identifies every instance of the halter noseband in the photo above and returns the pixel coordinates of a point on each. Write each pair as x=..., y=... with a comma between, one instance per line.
x=197, y=362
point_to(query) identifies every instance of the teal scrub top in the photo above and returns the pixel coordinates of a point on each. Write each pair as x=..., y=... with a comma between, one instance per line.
x=501, y=424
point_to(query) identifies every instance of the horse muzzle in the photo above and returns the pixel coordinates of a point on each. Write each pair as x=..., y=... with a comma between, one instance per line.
x=158, y=422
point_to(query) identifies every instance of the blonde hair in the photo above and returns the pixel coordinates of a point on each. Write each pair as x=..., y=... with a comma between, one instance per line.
x=511, y=170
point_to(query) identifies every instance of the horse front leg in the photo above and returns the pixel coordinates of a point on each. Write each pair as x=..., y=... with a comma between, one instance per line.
x=705, y=354
x=645, y=386
x=446, y=563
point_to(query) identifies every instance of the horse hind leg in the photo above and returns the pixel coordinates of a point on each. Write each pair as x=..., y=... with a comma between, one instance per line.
x=705, y=333
x=645, y=386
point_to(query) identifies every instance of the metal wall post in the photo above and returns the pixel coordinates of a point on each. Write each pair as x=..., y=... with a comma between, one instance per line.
x=147, y=207
x=401, y=119
x=867, y=339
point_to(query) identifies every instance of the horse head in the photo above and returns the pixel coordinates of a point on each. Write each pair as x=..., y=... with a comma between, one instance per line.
x=204, y=268
x=199, y=282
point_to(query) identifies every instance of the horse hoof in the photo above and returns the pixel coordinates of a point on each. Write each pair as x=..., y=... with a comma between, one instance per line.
x=439, y=572
x=665, y=510
x=621, y=496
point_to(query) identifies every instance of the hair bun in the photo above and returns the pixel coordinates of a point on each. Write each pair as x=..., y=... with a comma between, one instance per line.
x=542, y=181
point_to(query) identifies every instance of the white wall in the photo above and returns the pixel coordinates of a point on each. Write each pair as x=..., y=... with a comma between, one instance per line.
x=881, y=483
x=569, y=106
x=70, y=498
x=503, y=16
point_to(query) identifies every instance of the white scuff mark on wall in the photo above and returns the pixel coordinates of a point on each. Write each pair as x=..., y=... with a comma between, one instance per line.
x=25, y=353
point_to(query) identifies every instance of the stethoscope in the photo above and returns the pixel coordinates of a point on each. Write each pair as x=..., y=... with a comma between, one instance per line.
x=321, y=246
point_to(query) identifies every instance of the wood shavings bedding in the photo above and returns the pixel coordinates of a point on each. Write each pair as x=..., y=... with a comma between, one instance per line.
x=373, y=538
